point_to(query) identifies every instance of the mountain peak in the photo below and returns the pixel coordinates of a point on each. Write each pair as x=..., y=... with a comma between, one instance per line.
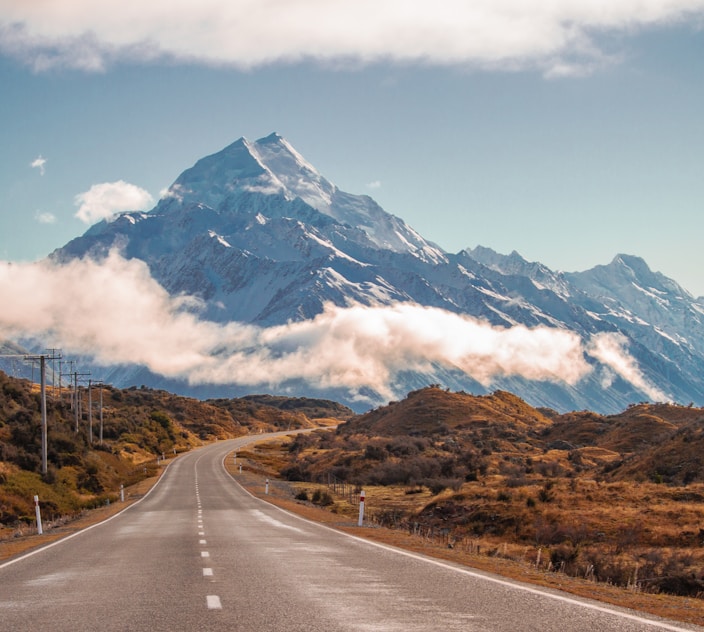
x=291, y=172
x=226, y=181
x=258, y=235
x=273, y=137
x=631, y=261
x=269, y=165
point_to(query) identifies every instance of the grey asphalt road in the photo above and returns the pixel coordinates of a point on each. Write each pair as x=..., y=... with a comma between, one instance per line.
x=200, y=553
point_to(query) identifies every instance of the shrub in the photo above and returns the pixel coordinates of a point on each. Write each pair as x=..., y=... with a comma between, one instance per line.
x=437, y=485
x=161, y=418
x=295, y=472
x=545, y=495
x=375, y=453
x=322, y=498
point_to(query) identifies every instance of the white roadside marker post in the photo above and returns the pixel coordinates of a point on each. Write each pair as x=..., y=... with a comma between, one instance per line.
x=38, y=512
x=266, y=491
x=361, y=509
x=122, y=493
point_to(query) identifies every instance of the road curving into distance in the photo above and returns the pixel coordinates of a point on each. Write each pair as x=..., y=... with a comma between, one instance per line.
x=200, y=553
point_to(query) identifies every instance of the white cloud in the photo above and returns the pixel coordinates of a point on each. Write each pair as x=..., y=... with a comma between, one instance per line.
x=39, y=163
x=610, y=349
x=376, y=184
x=45, y=217
x=102, y=201
x=116, y=313
x=562, y=37
x=175, y=191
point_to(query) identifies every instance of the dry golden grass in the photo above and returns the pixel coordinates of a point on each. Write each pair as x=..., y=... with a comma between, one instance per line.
x=17, y=541
x=486, y=553
x=634, y=522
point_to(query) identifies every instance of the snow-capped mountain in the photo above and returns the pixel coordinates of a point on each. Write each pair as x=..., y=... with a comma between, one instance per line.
x=262, y=237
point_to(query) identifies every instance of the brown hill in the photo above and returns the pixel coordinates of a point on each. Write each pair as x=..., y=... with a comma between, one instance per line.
x=611, y=498
x=659, y=442
x=434, y=411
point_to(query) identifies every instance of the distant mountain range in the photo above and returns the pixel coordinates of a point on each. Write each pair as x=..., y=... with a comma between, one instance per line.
x=262, y=237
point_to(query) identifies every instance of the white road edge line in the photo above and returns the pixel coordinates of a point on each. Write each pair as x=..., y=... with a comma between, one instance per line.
x=93, y=526
x=465, y=571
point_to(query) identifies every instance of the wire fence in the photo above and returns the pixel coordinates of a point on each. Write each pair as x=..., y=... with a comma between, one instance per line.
x=344, y=489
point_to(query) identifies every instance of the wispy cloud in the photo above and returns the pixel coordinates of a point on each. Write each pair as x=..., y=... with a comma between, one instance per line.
x=116, y=313
x=375, y=184
x=45, y=217
x=103, y=201
x=562, y=38
x=610, y=349
x=39, y=163
x=175, y=191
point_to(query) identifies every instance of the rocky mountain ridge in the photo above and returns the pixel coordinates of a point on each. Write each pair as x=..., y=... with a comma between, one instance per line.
x=261, y=237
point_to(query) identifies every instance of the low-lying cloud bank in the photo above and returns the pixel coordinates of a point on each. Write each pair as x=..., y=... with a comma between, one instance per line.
x=563, y=38
x=114, y=312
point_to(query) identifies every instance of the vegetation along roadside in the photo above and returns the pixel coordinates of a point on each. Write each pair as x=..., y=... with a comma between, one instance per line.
x=608, y=507
x=605, y=507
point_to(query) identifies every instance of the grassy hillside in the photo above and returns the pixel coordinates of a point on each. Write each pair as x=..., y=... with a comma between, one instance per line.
x=138, y=427
x=611, y=498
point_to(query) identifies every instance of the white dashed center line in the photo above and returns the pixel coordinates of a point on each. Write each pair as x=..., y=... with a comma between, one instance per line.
x=214, y=602
x=207, y=572
x=204, y=554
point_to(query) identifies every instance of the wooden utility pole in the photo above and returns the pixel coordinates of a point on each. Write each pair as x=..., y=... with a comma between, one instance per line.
x=42, y=372
x=91, y=383
x=76, y=375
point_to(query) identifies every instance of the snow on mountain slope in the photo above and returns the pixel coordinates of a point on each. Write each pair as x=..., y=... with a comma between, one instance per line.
x=636, y=298
x=259, y=236
x=513, y=264
x=270, y=167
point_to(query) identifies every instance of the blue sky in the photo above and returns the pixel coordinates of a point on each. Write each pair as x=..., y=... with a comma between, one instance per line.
x=567, y=131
